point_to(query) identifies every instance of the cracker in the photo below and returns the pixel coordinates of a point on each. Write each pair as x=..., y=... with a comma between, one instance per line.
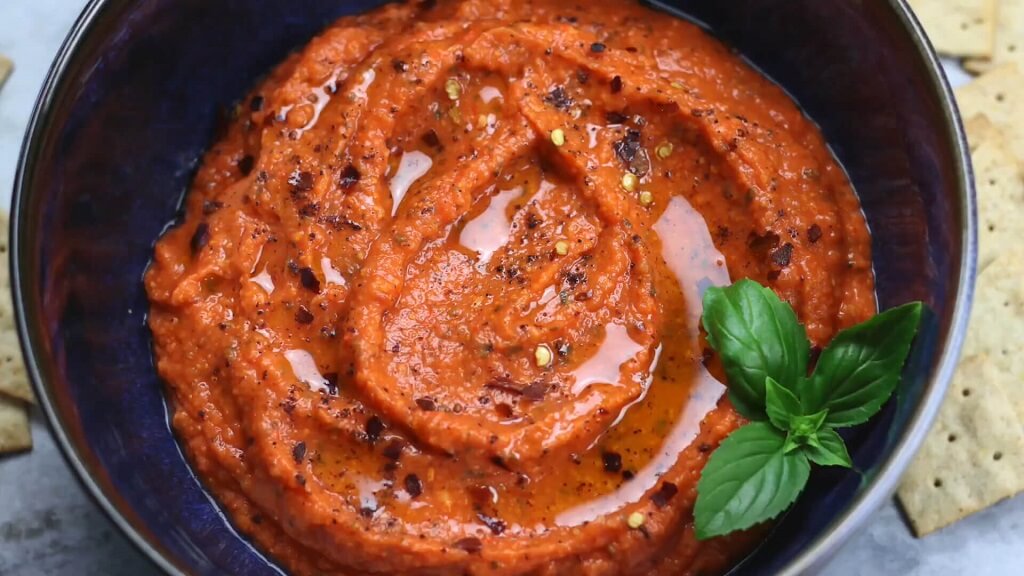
x=1008, y=45
x=997, y=320
x=1000, y=187
x=15, y=434
x=999, y=96
x=6, y=66
x=974, y=455
x=979, y=129
x=958, y=27
x=13, y=377
x=976, y=66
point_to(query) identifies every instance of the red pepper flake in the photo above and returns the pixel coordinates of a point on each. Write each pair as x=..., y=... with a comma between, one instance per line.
x=704, y=447
x=303, y=315
x=470, y=544
x=664, y=494
x=597, y=47
x=814, y=233
x=582, y=76
x=300, y=479
x=374, y=428
x=246, y=164
x=299, y=452
x=612, y=461
x=426, y=404
x=431, y=139
x=399, y=65
x=309, y=280
x=301, y=181
x=349, y=177
x=616, y=84
x=413, y=485
x=393, y=451
x=535, y=391
x=628, y=475
x=200, y=238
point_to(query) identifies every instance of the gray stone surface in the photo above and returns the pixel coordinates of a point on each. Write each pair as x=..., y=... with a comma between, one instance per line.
x=48, y=526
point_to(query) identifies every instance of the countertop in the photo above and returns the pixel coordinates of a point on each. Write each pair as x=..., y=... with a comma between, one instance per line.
x=49, y=526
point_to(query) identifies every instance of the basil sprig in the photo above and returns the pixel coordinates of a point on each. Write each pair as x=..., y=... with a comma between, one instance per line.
x=761, y=468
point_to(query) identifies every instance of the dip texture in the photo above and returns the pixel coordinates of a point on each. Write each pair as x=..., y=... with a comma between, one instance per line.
x=434, y=306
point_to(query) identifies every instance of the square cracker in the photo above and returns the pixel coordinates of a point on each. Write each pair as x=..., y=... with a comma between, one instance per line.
x=974, y=455
x=997, y=322
x=999, y=96
x=958, y=27
x=1000, y=186
x=13, y=377
x=15, y=434
x=1008, y=45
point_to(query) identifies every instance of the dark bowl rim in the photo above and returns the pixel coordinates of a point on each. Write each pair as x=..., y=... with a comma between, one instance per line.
x=809, y=559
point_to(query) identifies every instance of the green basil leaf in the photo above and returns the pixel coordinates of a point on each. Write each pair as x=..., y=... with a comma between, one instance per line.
x=802, y=429
x=748, y=480
x=780, y=404
x=860, y=368
x=757, y=336
x=826, y=448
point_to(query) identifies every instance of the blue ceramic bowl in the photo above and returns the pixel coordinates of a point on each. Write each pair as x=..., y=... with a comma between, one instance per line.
x=133, y=99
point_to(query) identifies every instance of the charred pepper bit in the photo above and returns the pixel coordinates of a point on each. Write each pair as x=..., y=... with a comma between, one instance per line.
x=453, y=89
x=630, y=181
x=558, y=137
x=636, y=520
x=542, y=354
x=561, y=247
x=664, y=150
x=646, y=198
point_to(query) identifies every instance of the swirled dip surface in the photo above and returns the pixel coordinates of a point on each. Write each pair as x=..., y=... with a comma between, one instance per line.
x=434, y=306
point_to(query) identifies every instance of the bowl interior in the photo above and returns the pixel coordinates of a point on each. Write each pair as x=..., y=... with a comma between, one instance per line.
x=135, y=98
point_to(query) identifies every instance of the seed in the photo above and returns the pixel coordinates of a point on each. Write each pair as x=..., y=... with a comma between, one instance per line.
x=558, y=137
x=635, y=520
x=542, y=355
x=561, y=247
x=665, y=150
x=452, y=88
x=677, y=85
x=629, y=181
x=646, y=198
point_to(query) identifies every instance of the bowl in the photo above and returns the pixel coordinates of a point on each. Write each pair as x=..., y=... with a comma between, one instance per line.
x=135, y=96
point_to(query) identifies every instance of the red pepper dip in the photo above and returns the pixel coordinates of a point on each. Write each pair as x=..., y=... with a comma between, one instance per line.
x=434, y=307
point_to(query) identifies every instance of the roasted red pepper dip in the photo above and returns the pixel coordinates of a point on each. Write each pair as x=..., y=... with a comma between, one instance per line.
x=434, y=307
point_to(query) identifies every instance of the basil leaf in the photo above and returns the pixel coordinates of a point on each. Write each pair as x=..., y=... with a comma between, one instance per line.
x=826, y=448
x=860, y=368
x=802, y=429
x=748, y=480
x=756, y=335
x=780, y=404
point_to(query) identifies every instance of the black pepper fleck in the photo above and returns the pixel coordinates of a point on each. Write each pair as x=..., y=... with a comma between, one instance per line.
x=309, y=280
x=299, y=452
x=374, y=428
x=349, y=177
x=612, y=461
x=413, y=485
